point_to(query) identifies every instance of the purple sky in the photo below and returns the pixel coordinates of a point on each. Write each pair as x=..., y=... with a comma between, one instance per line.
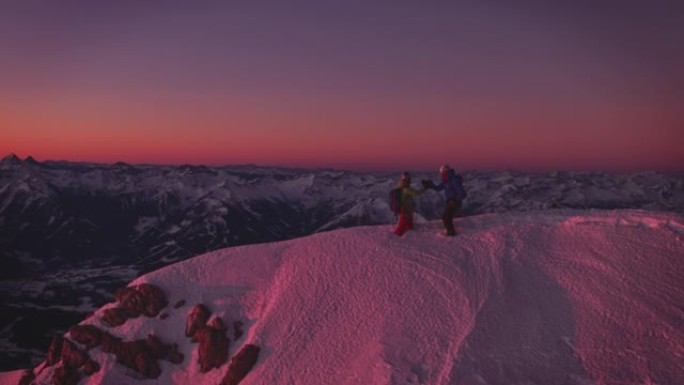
x=352, y=84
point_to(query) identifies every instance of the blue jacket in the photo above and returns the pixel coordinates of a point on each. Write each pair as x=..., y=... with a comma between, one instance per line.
x=453, y=188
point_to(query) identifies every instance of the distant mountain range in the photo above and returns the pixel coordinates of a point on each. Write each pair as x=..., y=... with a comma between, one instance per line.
x=71, y=233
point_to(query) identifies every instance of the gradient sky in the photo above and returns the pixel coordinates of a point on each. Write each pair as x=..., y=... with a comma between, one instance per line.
x=369, y=85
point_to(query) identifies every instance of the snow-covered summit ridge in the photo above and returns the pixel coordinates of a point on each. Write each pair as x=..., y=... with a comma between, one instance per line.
x=110, y=223
x=560, y=297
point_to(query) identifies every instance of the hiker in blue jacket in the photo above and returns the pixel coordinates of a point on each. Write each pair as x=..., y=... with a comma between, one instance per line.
x=452, y=185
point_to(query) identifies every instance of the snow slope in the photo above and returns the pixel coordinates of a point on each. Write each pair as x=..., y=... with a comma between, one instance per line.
x=114, y=222
x=556, y=297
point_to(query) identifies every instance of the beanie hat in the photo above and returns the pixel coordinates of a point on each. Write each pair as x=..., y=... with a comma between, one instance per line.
x=405, y=176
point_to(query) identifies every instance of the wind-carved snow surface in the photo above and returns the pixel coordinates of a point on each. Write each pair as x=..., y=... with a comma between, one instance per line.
x=543, y=298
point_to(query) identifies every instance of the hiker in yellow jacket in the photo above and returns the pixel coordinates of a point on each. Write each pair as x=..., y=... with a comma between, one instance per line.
x=407, y=205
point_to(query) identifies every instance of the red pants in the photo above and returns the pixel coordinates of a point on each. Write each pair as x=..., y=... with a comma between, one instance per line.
x=405, y=221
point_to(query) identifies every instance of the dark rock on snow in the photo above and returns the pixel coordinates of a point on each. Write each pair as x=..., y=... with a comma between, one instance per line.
x=55, y=351
x=145, y=299
x=27, y=378
x=65, y=375
x=91, y=367
x=237, y=329
x=88, y=335
x=198, y=317
x=213, y=345
x=139, y=355
x=72, y=356
x=116, y=316
x=241, y=364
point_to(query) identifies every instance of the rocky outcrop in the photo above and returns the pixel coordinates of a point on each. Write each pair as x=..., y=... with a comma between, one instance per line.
x=213, y=345
x=73, y=359
x=139, y=355
x=54, y=351
x=91, y=367
x=27, y=378
x=241, y=364
x=89, y=336
x=71, y=355
x=144, y=299
x=116, y=316
x=65, y=375
x=162, y=351
x=237, y=329
x=198, y=317
x=213, y=341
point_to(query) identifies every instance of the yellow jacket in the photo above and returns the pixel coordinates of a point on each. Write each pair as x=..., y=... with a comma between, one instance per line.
x=407, y=194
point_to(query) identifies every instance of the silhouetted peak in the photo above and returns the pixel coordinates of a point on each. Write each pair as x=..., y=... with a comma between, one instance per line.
x=123, y=167
x=31, y=160
x=11, y=160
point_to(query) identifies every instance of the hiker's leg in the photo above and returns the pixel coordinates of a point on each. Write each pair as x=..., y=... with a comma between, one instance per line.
x=458, y=211
x=402, y=227
x=448, y=216
x=409, y=219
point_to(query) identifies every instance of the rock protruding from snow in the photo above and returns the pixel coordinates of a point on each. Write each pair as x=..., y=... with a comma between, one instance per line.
x=27, y=378
x=115, y=316
x=54, y=351
x=213, y=345
x=72, y=361
x=237, y=329
x=89, y=336
x=213, y=341
x=140, y=355
x=91, y=367
x=72, y=356
x=65, y=375
x=241, y=364
x=198, y=317
x=143, y=299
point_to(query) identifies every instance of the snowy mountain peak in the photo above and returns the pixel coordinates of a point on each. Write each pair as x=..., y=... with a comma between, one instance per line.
x=536, y=298
x=30, y=160
x=10, y=160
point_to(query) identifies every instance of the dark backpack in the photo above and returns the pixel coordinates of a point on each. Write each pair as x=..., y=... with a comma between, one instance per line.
x=395, y=200
x=460, y=190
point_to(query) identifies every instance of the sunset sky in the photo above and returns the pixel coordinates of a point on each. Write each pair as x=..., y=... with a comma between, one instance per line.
x=367, y=85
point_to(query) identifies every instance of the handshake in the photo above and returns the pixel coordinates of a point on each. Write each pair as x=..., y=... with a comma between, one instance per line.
x=427, y=183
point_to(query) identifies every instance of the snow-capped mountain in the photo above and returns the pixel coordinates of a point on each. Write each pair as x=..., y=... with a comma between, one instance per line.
x=559, y=297
x=71, y=233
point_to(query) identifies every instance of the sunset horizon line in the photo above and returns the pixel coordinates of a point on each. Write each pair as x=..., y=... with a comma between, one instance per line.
x=531, y=170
